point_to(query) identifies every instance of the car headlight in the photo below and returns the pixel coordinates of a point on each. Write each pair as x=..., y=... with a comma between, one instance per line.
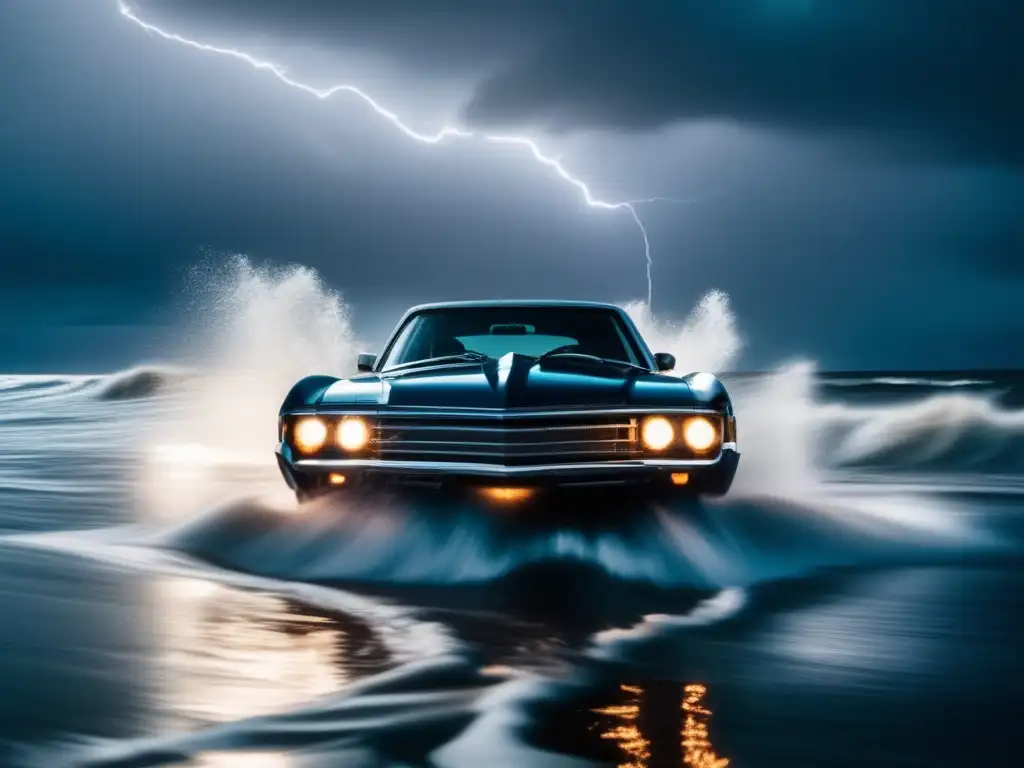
x=353, y=434
x=657, y=433
x=699, y=433
x=310, y=435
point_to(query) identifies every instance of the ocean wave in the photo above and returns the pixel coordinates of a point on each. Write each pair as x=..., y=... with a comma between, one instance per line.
x=33, y=387
x=715, y=609
x=910, y=381
x=731, y=543
x=39, y=381
x=943, y=432
x=381, y=720
x=139, y=382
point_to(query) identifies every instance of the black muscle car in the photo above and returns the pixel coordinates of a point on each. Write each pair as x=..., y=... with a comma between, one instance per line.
x=511, y=400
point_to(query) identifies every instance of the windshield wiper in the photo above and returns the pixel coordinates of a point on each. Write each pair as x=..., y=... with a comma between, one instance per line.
x=557, y=352
x=469, y=356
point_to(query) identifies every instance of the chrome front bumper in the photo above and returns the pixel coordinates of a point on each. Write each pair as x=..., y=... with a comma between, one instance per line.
x=304, y=473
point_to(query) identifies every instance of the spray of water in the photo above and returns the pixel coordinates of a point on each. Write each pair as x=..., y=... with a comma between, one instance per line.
x=255, y=330
x=261, y=328
x=777, y=412
x=252, y=332
x=707, y=341
x=258, y=330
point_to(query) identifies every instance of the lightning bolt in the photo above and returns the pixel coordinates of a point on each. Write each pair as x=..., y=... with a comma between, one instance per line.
x=446, y=133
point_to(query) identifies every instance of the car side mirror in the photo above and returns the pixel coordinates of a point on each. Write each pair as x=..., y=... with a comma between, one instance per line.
x=365, y=361
x=665, y=361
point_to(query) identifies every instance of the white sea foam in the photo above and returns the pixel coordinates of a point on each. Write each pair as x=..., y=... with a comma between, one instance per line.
x=948, y=431
x=708, y=340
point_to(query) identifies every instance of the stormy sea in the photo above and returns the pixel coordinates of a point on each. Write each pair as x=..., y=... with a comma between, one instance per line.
x=856, y=600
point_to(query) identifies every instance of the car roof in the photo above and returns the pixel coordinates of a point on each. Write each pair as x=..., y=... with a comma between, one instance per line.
x=515, y=303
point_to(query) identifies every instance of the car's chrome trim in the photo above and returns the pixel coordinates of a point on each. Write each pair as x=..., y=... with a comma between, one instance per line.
x=521, y=454
x=518, y=430
x=498, y=470
x=500, y=414
x=519, y=449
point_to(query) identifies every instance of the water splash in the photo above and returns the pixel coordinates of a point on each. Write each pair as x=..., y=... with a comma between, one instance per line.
x=708, y=340
x=263, y=328
x=256, y=330
x=779, y=434
x=251, y=332
x=777, y=414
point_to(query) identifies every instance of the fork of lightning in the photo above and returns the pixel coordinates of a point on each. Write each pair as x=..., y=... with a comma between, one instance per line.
x=449, y=132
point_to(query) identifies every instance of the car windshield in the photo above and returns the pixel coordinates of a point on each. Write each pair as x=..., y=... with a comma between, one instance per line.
x=528, y=330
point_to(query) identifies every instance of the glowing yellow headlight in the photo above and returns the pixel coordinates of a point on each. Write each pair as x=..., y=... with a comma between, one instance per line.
x=310, y=435
x=699, y=433
x=353, y=434
x=657, y=433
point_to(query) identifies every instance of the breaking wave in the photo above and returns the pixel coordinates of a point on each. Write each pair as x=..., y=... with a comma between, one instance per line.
x=883, y=382
x=140, y=382
x=942, y=432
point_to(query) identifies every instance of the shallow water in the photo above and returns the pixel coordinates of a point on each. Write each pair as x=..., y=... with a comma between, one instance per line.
x=855, y=600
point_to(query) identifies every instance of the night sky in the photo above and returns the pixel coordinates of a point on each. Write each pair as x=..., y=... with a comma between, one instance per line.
x=853, y=169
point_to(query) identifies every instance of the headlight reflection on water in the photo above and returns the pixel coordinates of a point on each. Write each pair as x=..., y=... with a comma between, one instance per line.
x=625, y=732
x=628, y=719
x=226, y=655
x=697, y=748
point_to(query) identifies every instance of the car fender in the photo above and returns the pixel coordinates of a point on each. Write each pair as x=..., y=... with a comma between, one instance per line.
x=709, y=389
x=307, y=392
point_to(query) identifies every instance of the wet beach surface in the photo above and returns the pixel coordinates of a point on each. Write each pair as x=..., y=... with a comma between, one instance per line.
x=154, y=614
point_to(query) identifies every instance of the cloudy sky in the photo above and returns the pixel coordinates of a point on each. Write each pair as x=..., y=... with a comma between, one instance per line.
x=852, y=170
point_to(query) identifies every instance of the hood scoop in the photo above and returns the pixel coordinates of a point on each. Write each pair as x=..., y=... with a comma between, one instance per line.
x=512, y=381
x=512, y=374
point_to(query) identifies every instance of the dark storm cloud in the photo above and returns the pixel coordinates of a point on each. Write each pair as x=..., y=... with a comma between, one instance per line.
x=441, y=35
x=941, y=75
x=127, y=158
x=945, y=71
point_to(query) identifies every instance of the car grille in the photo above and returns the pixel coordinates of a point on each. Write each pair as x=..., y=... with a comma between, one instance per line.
x=509, y=442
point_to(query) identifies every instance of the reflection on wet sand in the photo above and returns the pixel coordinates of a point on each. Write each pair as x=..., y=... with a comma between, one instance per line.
x=226, y=654
x=628, y=719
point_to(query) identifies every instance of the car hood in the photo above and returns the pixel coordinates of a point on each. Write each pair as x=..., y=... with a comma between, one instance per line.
x=515, y=381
